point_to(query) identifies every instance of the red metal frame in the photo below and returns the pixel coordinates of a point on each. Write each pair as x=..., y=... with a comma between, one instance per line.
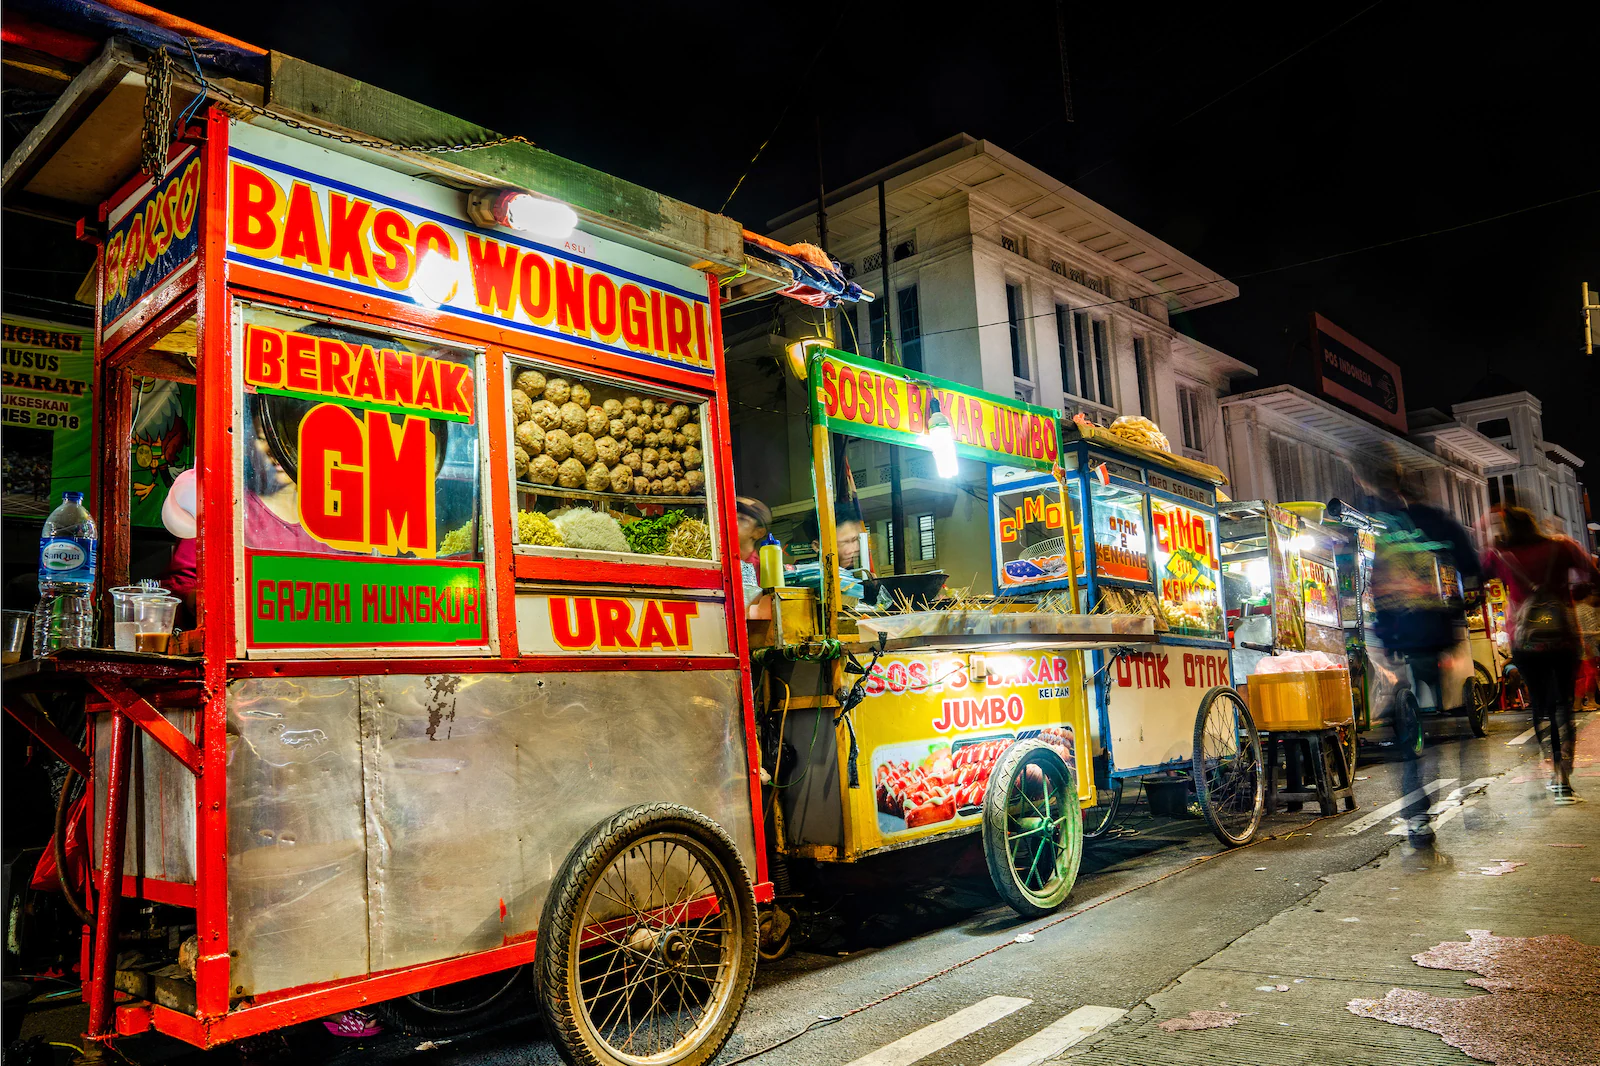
x=208, y=293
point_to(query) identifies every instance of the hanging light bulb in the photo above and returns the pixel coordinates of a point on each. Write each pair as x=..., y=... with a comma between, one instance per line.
x=798, y=353
x=942, y=441
x=436, y=279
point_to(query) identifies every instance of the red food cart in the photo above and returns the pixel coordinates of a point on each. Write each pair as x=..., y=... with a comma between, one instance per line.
x=464, y=688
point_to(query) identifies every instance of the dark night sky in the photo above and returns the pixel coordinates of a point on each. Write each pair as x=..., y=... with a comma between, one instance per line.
x=1413, y=117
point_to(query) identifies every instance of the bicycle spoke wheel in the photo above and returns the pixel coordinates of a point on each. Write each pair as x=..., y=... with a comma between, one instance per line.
x=1098, y=820
x=1228, y=776
x=1032, y=828
x=647, y=947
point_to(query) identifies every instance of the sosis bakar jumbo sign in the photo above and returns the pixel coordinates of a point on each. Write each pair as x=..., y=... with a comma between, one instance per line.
x=299, y=210
x=934, y=728
x=865, y=398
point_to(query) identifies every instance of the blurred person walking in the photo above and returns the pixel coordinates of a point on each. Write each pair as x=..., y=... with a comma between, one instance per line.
x=1417, y=617
x=1586, y=605
x=1546, y=642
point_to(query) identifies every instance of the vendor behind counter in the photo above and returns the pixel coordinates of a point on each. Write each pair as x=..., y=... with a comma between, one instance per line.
x=849, y=527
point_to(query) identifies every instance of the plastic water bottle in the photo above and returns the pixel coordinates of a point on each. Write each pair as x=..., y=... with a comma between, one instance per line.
x=68, y=550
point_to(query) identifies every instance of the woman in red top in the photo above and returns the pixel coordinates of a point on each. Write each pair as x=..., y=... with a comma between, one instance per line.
x=1529, y=562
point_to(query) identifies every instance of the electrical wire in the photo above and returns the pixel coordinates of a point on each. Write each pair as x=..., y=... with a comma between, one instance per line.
x=748, y=167
x=1183, y=290
x=1208, y=104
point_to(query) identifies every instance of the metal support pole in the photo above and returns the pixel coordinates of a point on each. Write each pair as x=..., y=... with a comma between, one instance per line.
x=897, y=499
x=108, y=883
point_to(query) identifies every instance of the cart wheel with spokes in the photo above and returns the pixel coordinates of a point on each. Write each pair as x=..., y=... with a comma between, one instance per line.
x=1228, y=777
x=1098, y=820
x=457, y=1007
x=1032, y=828
x=1349, y=746
x=647, y=943
x=1481, y=693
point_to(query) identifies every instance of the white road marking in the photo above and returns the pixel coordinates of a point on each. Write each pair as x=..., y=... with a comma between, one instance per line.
x=943, y=1033
x=1521, y=738
x=1056, y=1037
x=1362, y=824
x=1450, y=806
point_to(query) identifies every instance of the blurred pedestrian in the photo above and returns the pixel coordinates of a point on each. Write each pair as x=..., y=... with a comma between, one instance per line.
x=1546, y=643
x=1414, y=619
x=1586, y=605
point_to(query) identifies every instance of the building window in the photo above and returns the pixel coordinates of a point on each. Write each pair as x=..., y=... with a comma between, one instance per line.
x=1286, y=472
x=927, y=547
x=1069, y=374
x=1341, y=479
x=1495, y=427
x=1503, y=490
x=1102, y=362
x=1467, y=499
x=1142, y=369
x=1014, y=316
x=1189, y=418
x=875, y=332
x=1080, y=338
x=910, y=328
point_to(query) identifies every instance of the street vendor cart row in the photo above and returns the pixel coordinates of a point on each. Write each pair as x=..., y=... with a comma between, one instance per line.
x=467, y=686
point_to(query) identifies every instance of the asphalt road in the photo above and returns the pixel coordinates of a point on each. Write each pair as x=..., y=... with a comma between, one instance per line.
x=1149, y=904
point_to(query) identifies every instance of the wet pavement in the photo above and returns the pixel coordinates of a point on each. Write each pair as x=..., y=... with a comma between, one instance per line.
x=1163, y=922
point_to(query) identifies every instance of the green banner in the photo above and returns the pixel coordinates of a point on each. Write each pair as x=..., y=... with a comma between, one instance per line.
x=47, y=402
x=863, y=397
x=298, y=601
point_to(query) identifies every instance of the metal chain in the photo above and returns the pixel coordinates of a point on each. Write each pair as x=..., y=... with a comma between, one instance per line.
x=155, y=139
x=346, y=138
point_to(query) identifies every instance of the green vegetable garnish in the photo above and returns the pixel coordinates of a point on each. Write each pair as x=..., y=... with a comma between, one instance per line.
x=648, y=536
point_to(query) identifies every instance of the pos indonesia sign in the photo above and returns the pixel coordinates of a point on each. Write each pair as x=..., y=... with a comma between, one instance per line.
x=863, y=397
x=1357, y=376
x=363, y=567
x=299, y=210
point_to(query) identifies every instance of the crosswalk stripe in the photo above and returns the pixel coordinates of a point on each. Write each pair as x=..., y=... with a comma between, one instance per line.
x=1450, y=806
x=943, y=1033
x=1362, y=824
x=1521, y=738
x=1056, y=1037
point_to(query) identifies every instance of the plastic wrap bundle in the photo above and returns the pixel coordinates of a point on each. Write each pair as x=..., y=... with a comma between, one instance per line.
x=1136, y=429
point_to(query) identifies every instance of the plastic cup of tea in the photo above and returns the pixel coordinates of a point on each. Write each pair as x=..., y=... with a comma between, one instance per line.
x=125, y=602
x=153, y=628
x=16, y=635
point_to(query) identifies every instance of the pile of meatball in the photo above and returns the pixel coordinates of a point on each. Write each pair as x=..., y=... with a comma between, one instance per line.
x=604, y=440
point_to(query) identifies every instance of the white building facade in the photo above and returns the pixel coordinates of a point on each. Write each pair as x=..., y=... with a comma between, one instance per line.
x=1004, y=279
x=1285, y=444
x=1532, y=472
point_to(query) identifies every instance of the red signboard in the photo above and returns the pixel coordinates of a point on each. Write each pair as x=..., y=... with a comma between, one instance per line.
x=1355, y=375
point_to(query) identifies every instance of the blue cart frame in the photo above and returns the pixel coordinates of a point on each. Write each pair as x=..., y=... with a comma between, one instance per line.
x=1088, y=464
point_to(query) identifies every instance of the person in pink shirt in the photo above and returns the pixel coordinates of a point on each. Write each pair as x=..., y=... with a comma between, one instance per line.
x=1538, y=573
